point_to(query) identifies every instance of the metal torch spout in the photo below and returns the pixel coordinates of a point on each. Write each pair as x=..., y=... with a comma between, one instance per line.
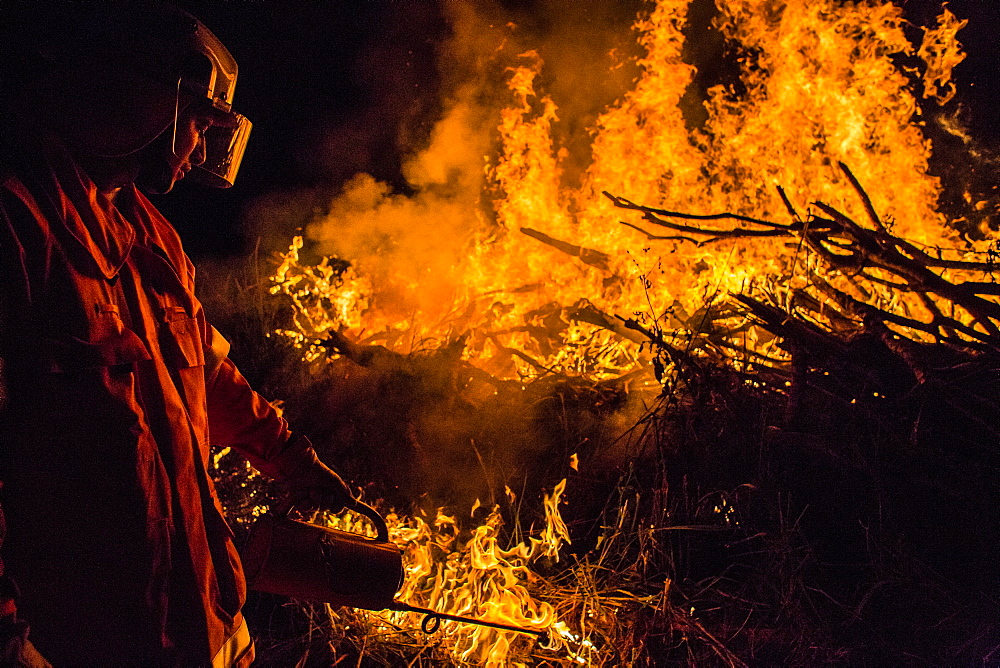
x=433, y=619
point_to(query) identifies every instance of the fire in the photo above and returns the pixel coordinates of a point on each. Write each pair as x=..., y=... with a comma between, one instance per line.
x=452, y=571
x=476, y=577
x=538, y=279
x=538, y=289
x=941, y=51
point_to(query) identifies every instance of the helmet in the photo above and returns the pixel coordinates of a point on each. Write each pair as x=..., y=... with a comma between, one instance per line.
x=102, y=52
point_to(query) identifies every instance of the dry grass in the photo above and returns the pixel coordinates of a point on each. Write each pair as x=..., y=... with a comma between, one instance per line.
x=725, y=527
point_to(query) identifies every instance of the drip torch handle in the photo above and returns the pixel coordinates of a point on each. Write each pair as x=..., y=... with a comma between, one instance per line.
x=362, y=508
x=433, y=620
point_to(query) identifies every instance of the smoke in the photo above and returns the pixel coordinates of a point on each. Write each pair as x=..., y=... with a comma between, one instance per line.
x=408, y=244
x=422, y=419
x=409, y=240
x=421, y=422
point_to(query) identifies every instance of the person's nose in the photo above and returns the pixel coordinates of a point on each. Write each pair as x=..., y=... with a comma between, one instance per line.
x=198, y=154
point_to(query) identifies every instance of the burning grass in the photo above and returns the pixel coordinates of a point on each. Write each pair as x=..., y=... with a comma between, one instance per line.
x=776, y=426
x=736, y=523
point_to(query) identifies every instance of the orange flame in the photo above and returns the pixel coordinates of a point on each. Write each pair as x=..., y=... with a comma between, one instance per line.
x=538, y=287
x=476, y=577
x=534, y=289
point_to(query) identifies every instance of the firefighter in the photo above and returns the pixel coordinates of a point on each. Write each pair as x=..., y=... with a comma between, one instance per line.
x=113, y=382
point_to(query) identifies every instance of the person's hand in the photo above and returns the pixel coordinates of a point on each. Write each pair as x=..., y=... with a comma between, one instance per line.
x=318, y=485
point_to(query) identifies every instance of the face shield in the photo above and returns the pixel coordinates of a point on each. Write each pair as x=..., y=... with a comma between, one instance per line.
x=226, y=139
x=224, y=147
x=127, y=61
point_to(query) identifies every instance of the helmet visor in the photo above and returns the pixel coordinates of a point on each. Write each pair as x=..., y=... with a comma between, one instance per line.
x=224, y=147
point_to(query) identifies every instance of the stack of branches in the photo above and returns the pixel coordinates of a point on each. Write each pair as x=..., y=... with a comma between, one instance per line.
x=862, y=255
x=883, y=444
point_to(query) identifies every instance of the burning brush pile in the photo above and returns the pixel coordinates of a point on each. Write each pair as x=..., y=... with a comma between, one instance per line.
x=719, y=388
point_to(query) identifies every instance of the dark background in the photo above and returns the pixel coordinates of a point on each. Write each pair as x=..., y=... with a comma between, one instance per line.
x=330, y=87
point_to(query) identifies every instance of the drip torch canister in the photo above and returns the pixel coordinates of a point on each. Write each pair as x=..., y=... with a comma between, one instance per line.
x=316, y=563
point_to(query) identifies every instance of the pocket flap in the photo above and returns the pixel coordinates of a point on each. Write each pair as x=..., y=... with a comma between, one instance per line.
x=181, y=340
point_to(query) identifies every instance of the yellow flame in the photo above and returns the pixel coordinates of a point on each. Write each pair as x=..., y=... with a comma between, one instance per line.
x=476, y=577
x=819, y=86
x=942, y=52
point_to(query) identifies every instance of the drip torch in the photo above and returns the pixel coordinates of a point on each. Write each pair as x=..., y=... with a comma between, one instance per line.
x=316, y=563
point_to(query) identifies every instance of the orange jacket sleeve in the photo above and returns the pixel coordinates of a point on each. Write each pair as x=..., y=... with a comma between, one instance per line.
x=240, y=418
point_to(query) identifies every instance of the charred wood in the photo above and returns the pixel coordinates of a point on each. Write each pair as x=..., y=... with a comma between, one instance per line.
x=589, y=256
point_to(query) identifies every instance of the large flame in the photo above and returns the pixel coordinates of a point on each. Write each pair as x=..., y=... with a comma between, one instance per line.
x=537, y=288
x=535, y=276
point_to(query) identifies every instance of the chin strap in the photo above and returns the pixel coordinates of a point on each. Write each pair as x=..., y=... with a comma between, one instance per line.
x=177, y=113
x=146, y=141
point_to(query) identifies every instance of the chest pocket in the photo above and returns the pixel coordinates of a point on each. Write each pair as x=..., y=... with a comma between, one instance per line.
x=108, y=344
x=180, y=339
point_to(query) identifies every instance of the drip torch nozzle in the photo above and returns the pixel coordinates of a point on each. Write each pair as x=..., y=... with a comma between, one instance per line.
x=433, y=620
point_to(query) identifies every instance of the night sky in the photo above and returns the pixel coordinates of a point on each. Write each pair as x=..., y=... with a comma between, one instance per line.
x=331, y=86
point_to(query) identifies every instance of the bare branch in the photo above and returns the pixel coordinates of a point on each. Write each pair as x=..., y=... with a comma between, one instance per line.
x=982, y=287
x=594, y=258
x=788, y=205
x=733, y=233
x=623, y=203
x=869, y=207
x=653, y=237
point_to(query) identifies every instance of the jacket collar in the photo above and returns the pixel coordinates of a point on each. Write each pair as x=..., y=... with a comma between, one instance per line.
x=88, y=215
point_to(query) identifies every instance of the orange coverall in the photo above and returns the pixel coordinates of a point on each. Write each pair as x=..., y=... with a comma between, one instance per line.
x=115, y=386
